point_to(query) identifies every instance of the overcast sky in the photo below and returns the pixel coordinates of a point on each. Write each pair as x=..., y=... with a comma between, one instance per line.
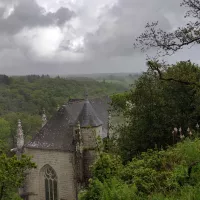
x=80, y=36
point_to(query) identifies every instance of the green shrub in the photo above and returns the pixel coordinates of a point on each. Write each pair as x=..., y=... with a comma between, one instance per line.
x=172, y=174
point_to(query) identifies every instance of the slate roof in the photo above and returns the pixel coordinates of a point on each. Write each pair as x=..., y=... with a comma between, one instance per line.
x=57, y=134
x=88, y=116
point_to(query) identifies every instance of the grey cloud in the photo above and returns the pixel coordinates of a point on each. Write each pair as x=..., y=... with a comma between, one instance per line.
x=110, y=48
x=24, y=65
x=6, y=42
x=131, y=18
x=1, y=12
x=29, y=14
x=8, y=1
x=62, y=15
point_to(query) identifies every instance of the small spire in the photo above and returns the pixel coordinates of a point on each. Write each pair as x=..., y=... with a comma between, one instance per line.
x=109, y=115
x=88, y=116
x=86, y=94
x=19, y=123
x=78, y=125
x=44, y=118
x=20, y=135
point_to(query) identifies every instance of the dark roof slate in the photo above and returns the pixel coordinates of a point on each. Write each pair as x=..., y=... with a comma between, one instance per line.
x=88, y=116
x=57, y=134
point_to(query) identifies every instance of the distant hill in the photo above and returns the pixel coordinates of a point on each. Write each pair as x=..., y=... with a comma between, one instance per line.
x=125, y=79
x=94, y=75
x=33, y=93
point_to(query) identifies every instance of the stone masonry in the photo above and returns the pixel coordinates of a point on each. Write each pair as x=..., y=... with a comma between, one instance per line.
x=62, y=163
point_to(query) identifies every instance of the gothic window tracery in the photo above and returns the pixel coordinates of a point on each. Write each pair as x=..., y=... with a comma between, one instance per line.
x=51, y=190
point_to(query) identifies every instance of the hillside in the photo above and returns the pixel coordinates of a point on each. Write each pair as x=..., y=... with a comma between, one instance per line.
x=33, y=93
x=124, y=79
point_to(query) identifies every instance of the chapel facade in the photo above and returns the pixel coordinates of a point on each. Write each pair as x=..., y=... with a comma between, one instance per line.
x=64, y=150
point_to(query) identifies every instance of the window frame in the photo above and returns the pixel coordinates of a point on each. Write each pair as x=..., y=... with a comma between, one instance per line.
x=50, y=183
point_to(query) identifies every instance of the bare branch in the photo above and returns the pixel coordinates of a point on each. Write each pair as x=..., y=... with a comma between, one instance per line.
x=157, y=67
x=194, y=8
x=168, y=42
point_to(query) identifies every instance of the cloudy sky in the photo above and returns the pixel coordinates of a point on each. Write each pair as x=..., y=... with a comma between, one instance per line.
x=80, y=36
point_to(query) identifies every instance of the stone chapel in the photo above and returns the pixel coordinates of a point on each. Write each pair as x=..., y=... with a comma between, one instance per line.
x=64, y=149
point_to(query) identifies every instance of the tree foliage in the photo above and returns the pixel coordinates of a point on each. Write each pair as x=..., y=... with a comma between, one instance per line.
x=33, y=93
x=106, y=166
x=30, y=124
x=165, y=174
x=5, y=134
x=155, y=107
x=12, y=174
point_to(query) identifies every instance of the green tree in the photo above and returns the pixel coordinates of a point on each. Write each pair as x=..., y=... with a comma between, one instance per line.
x=106, y=166
x=12, y=174
x=5, y=134
x=30, y=123
x=155, y=108
x=33, y=93
x=153, y=175
x=111, y=189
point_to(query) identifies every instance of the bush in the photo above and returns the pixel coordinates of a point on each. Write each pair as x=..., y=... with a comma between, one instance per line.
x=172, y=174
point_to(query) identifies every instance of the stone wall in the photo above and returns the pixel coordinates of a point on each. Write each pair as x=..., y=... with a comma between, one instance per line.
x=88, y=159
x=62, y=163
x=89, y=136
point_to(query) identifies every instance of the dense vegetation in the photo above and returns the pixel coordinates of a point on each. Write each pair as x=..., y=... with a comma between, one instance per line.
x=155, y=107
x=33, y=93
x=172, y=174
x=12, y=174
x=123, y=79
x=138, y=162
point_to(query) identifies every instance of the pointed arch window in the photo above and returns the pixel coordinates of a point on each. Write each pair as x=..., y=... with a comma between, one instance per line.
x=51, y=188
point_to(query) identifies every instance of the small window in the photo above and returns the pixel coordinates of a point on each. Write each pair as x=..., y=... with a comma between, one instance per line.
x=51, y=191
